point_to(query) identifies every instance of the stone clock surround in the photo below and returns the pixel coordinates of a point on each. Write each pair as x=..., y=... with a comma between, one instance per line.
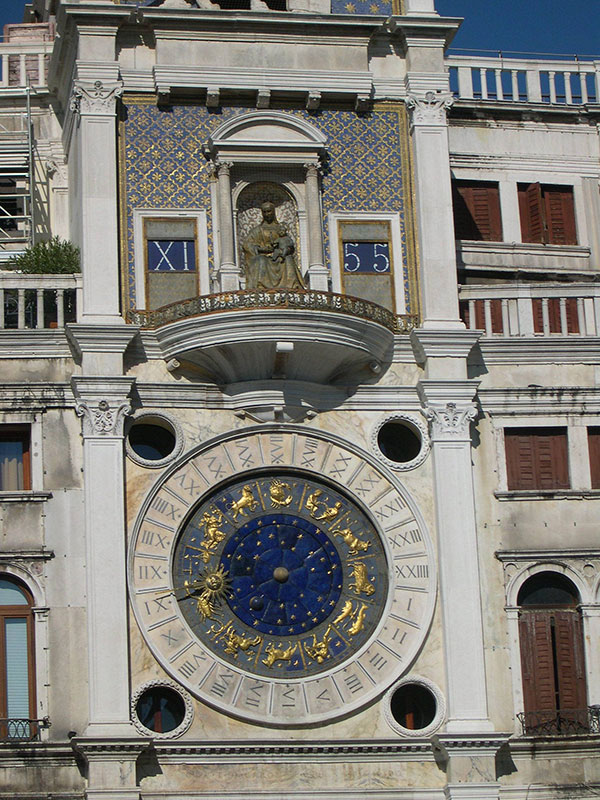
x=251, y=453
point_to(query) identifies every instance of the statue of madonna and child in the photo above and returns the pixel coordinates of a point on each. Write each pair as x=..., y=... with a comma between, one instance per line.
x=270, y=255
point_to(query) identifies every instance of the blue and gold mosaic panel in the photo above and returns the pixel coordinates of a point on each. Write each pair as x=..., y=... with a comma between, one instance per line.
x=163, y=166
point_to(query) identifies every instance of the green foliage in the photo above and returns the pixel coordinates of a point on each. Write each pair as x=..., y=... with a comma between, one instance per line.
x=56, y=257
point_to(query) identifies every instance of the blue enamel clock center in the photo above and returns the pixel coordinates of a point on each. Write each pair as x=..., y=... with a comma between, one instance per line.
x=280, y=575
x=286, y=575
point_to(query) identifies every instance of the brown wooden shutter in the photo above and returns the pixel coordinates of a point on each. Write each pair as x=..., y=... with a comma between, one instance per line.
x=570, y=667
x=536, y=458
x=560, y=214
x=519, y=460
x=537, y=662
x=477, y=211
x=594, y=448
x=531, y=211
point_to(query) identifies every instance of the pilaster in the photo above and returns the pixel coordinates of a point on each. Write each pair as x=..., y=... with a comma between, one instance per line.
x=103, y=404
x=93, y=108
x=449, y=408
x=591, y=632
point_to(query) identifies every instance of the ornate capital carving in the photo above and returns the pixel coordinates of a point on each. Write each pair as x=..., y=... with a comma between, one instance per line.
x=451, y=421
x=103, y=418
x=95, y=98
x=429, y=109
x=223, y=167
x=312, y=169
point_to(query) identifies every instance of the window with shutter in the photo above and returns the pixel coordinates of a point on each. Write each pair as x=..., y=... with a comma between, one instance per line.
x=17, y=695
x=547, y=213
x=594, y=448
x=477, y=211
x=552, y=655
x=536, y=458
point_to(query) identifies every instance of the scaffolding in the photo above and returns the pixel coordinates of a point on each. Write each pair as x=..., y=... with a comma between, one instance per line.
x=17, y=224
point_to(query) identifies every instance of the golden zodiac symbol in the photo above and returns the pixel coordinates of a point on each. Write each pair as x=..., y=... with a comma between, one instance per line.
x=354, y=543
x=361, y=580
x=247, y=500
x=234, y=642
x=213, y=535
x=357, y=614
x=278, y=654
x=327, y=514
x=278, y=492
x=359, y=621
x=214, y=587
x=319, y=651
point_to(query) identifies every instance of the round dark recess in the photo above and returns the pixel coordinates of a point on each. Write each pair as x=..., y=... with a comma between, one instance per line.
x=399, y=442
x=150, y=441
x=160, y=709
x=413, y=706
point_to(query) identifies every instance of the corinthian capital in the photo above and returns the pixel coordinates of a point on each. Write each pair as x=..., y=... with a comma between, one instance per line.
x=95, y=98
x=101, y=418
x=430, y=108
x=450, y=421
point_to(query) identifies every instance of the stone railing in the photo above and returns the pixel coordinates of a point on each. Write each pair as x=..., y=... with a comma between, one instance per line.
x=513, y=80
x=532, y=309
x=286, y=299
x=25, y=54
x=38, y=301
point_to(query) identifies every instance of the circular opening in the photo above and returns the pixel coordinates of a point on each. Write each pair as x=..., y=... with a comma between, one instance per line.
x=548, y=589
x=413, y=706
x=399, y=442
x=160, y=709
x=152, y=441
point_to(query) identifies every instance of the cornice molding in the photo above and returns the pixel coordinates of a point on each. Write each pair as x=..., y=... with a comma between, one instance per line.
x=443, y=343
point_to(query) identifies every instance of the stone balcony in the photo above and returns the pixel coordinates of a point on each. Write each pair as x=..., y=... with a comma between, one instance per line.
x=233, y=337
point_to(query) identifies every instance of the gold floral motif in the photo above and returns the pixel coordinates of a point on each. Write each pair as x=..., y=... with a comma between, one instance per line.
x=319, y=650
x=247, y=500
x=279, y=494
x=362, y=584
x=275, y=653
x=328, y=514
x=234, y=642
x=355, y=544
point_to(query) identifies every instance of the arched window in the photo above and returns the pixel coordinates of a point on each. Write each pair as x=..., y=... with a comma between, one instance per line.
x=17, y=696
x=552, y=656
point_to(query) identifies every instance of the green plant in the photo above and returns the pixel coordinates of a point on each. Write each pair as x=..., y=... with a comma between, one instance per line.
x=56, y=256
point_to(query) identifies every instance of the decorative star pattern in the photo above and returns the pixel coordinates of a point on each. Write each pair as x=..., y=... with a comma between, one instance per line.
x=380, y=8
x=164, y=166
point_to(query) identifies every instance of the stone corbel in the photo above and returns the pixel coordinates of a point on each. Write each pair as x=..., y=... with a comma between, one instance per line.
x=213, y=98
x=97, y=98
x=430, y=108
x=263, y=98
x=313, y=101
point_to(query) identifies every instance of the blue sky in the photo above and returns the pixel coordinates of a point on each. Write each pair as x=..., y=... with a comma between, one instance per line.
x=541, y=26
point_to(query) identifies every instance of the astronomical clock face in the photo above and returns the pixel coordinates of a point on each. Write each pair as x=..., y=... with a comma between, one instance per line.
x=281, y=577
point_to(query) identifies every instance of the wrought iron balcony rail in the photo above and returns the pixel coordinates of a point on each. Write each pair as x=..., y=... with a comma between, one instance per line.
x=14, y=729
x=564, y=722
x=284, y=299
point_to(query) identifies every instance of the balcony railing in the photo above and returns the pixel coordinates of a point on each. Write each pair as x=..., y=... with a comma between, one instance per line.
x=14, y=729
x=38, y=301
x=292, y=299
x=505, y=311
x=576, y=722
x=511, y=80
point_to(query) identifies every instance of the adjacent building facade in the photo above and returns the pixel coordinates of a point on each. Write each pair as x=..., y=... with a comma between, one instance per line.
x=300, y=473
